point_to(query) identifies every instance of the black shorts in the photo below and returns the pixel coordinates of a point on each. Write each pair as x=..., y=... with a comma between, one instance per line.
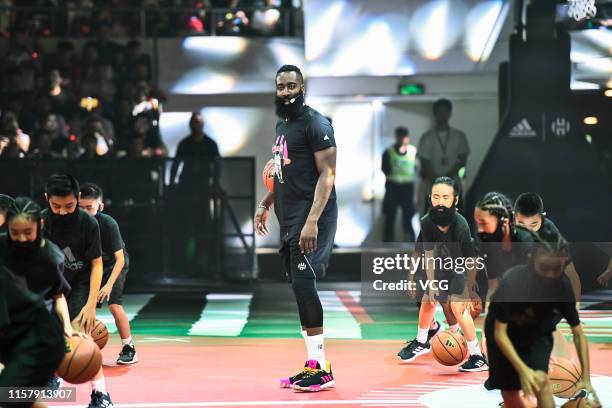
x=456, y=286
x=78, y=297
x=312, y=265
x=502, y=374
x=116, y=296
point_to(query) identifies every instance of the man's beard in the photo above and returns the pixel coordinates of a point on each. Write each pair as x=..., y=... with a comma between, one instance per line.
x=290, y=110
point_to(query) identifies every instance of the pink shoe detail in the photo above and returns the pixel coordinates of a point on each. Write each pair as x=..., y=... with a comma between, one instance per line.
x=312, y=364
x=285, y=383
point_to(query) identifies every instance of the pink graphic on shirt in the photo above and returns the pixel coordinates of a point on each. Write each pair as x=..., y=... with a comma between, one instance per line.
x=280, y=156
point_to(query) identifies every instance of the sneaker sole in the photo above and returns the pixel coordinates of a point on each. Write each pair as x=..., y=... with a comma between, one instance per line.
x=285, y=383
x=314, y=388
x=417, y=355
x=134, y=361
x=474, y=370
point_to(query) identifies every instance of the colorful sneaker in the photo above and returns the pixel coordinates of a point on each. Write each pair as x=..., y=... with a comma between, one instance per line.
x=128, y=355
x=100, y=400
x=474, y=364
x=413, y=350
x=288, y=382
x=315, y=379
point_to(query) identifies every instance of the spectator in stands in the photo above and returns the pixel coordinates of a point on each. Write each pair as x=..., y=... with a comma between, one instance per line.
x=57, y=129
x=442, y=151
x=42, y=148
x=63, y=101
x=64, y=60
x=18, y=141
x=89, y=146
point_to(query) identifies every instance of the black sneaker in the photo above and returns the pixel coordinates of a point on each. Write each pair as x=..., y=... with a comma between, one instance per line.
x=474, y=364
x=413, y=350
x=487, y=385
x=288, y=382
x=315, y=379
x=55, y=383
x=100, y=400
x=432, y=332
x=128, y=355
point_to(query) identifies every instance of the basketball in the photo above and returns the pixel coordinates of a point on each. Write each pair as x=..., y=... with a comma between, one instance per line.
x=477, y=303
x=449, y=349
x=82, y=361
x=268, y=175
x=99, y=334
x=564, y=376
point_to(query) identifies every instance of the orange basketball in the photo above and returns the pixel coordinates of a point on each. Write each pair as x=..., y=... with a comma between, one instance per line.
x=268, y=175
x=99, y=334
x=449, y=348
x=477, y=303
x=564, y=376
x=82, y=361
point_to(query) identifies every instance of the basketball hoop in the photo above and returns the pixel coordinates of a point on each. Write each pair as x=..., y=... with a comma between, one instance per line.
x=581, y=9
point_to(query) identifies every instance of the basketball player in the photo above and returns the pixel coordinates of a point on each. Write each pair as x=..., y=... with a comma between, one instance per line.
x=115, y=263
x=5, y=202
x=530, y=214
x=503, y=243
x=520, y=323
x=36, y=260
x=31, y=342
x=446, y=235
x=304, y=199
x=77, y=234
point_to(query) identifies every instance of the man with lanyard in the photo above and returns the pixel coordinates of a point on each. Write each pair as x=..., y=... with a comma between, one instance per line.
x=398, y=166
x=442, y=151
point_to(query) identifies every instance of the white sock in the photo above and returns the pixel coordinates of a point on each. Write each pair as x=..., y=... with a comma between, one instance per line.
x=434, y=325
x=127, y=341
x=454, y=328
x=422, y=335
x=316, y=351
x=304, y=335
x=473, y=348
x=99, y=385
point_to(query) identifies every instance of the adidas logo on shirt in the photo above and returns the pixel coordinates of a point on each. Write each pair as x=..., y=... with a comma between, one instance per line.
x=522, y=129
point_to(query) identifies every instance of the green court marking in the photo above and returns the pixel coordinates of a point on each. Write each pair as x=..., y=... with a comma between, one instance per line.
x=169, y=314
x=225, y=315
x=132, y=304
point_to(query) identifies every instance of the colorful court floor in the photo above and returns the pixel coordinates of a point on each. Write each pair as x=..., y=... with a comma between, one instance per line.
x=229, y=349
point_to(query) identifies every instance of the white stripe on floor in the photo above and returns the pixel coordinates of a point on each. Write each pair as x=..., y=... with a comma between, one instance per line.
x=338, y=320
x=132, y=304
x=225, y=314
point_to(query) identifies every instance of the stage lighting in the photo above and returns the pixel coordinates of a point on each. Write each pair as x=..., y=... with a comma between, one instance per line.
x=590, y=120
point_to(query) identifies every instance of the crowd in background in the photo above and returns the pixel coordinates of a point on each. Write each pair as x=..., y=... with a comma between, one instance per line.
x=71, y=103
x=164, y=18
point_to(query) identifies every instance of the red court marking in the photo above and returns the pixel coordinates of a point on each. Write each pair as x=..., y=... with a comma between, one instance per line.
x=241, y=370
x=358, y=312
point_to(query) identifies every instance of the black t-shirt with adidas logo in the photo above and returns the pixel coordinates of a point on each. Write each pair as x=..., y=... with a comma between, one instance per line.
x=80, y=243
x=296, y=172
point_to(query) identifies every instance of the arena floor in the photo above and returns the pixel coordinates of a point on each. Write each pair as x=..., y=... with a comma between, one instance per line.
x=229, y=349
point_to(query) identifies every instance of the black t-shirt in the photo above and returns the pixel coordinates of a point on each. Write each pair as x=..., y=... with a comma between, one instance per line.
x=80, y=243
x=455, y=243
x=498, y=261
x=197, y=157
x=531, y=308
x=112, y=241
x=19, y=309
x=296, y=173
x=43, y=270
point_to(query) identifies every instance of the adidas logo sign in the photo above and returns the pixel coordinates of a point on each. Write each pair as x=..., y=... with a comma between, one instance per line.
x=522, y=129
